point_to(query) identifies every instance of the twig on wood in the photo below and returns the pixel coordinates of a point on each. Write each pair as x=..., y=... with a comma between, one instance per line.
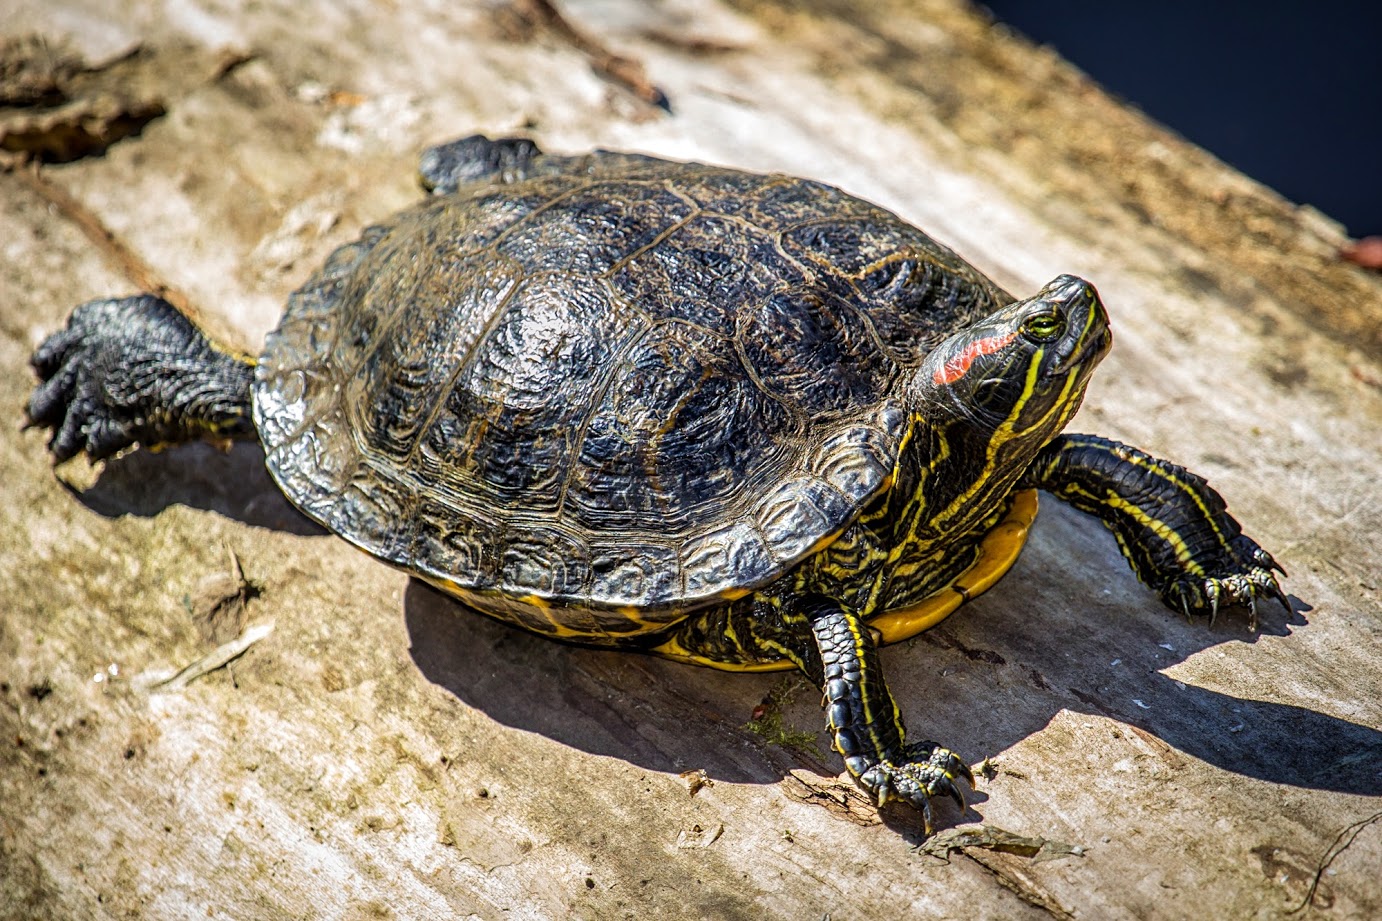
x=120, y=256
x=217, y=658
x=626, y=71
x=1342, y=842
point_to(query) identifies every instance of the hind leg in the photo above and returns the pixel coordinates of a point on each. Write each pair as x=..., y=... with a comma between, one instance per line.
x=136, y=371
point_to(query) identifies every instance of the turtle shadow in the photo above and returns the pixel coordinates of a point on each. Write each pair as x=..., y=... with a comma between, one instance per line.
x=1042, y=642
x=992, y=676
x=980, y=683
x=1278, y=743
x=233, y=483
x=579, y=696
x=644, y=710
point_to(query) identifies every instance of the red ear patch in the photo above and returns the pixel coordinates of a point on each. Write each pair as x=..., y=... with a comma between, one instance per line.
x=958, y=365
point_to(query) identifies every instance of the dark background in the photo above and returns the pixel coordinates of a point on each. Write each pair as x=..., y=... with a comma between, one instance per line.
x=1290, y=93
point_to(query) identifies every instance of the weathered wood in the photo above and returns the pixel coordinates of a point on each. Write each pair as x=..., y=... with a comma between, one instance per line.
x=382, y=753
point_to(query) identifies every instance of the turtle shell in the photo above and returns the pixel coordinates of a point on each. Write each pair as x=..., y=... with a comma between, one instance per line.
x=595, y=400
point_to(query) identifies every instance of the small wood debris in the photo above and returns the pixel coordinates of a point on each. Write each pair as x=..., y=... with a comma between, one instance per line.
x=696, y=780
x=987, y=769
x=219, y=601
x=993, y=838
x=529, y=15
x=217, y=658
x=698, y=836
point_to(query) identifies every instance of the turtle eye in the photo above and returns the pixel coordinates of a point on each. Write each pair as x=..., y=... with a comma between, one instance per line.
x=1043, y=327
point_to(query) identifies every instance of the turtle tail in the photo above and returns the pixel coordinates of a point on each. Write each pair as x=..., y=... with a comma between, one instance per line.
x=136, y=371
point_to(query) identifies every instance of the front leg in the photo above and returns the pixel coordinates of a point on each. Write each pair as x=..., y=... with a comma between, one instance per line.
x=836, y=649
x=1172, y=527
x=863, y=718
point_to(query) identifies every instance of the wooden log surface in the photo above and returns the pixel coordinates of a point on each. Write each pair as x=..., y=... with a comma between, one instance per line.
x=380, y=752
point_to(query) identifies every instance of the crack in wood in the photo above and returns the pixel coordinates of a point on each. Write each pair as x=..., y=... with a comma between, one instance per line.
x=1342, y=842
x=116, y=251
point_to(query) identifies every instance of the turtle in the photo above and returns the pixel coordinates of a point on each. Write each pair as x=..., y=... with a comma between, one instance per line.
x=739, y=420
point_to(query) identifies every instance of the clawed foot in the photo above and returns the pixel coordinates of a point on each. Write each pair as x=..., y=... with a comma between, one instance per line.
x=865, y=720
x=926, y=770
x=134, y=370
x=1241, y=576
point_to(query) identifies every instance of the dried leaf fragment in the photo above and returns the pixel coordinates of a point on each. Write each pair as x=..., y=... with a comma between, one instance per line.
x=696, y=780
x=993, y=838
x=1366, y=252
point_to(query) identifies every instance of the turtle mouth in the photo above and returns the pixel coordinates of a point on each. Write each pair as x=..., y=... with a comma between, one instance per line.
x=1089, y=350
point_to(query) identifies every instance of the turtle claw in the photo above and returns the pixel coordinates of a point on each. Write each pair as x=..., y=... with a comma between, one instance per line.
x=1240, y=574
x=1280, y=595
x=957, y=797
x=1265, y=560
x=925, y=771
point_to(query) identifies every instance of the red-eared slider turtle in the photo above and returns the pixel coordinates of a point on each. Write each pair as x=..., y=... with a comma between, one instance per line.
x=740, y=420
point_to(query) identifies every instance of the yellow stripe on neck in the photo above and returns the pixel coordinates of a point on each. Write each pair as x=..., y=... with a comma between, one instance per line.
x=998, y=551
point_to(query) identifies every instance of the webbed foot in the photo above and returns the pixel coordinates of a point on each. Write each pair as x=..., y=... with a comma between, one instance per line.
x=135, y=370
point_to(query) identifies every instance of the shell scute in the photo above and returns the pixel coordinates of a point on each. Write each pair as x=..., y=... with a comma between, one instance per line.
x=460, y=541
x=593, y=228
x=796, y=515
x=858, y=460
x=676, y=435
x=706, y=272
x=727, y=562
x=545, y=561
x=795, y=333
x=650, y=572
x=380, y=509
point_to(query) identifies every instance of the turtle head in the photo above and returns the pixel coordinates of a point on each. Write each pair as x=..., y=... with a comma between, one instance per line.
x=1016, y=377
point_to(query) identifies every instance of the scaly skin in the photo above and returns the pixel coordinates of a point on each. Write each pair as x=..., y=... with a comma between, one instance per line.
x=1173, y=528
x=136, y=371
x=864, y=720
